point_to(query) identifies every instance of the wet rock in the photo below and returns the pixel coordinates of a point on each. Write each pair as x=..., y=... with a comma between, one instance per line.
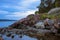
x=50, y=36
x=38, y=36
x=21, y=35
x=12, y=36
x=1, y=38
x=40, y=25
x=8, y=34
x=0, y=35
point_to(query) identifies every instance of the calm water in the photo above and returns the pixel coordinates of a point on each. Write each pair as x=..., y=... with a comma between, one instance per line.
x=16, y=37
x=6, y=23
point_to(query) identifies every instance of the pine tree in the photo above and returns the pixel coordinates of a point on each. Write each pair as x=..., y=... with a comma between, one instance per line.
x=46, y=5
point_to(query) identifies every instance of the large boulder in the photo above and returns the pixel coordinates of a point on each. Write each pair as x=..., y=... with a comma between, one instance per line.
x=55, y=11
x=48, y=23
x=39, y=25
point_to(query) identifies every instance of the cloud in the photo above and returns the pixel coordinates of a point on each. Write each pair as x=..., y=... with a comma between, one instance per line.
x=17, y=8
x=21, y=14
x=24, y=4
x=27, y=3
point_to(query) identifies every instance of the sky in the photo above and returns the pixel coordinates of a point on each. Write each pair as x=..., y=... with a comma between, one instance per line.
x=17, y=9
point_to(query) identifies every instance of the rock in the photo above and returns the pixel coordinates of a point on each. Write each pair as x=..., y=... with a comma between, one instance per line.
x=8, y=35
x=12, y=36
x=20, y=36
x=1, y=38
x=30, y=20
x=40, y=25
x=50, y=36
x=55, y=11
x=0, y=35
x=48, y=23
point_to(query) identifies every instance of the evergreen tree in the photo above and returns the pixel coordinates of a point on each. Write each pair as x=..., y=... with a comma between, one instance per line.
x=46, y=5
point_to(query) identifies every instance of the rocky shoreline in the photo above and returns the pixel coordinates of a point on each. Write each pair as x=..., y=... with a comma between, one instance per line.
x=32, y=32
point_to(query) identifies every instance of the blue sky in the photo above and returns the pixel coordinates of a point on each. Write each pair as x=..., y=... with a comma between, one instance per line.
x=17, y=9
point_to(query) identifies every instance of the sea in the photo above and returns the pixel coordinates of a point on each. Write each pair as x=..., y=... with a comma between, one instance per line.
x=16, y=37
x=6, y=23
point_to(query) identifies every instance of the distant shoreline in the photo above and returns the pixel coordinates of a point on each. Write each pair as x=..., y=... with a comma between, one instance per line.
x=7, y=20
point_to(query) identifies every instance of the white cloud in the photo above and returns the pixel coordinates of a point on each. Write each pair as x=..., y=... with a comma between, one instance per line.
x=27, y=3
x=21, y=5
x=21, y=14
x=25, y=7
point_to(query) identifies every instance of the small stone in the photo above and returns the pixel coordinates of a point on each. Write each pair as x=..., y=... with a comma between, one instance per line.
x=12, y=36
x=1, y=38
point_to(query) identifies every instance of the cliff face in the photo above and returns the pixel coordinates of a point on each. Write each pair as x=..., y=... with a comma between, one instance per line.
x=30, y=20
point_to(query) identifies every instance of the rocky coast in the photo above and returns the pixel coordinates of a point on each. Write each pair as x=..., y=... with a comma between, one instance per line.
x=43, y=34
x=43, y=25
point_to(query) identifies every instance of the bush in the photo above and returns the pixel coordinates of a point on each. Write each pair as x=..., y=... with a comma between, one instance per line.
x=45, y=15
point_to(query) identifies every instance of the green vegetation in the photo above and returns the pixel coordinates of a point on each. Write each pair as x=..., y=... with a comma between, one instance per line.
x=45, y=15
x=43, y=10
x=37, y=12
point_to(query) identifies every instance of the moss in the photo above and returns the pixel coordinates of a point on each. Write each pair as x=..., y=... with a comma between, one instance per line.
x=37, y=12
x=45, y=15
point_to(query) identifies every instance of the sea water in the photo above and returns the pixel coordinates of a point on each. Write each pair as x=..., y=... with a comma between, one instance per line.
x=6, y=23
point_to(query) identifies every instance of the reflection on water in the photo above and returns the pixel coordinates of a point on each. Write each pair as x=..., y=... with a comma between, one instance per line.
x=16, y=37
x=5, y=23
